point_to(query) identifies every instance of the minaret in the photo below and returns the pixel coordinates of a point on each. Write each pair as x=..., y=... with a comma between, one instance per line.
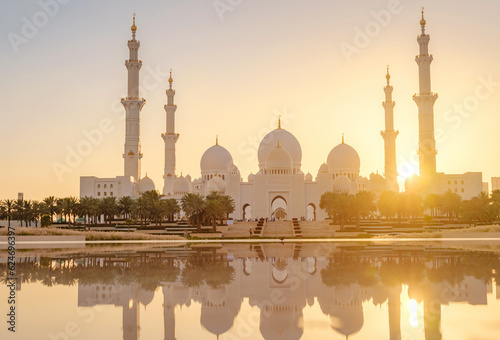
x=389, y=135
x=425, y=100
x=170, y=138
x=133, y=106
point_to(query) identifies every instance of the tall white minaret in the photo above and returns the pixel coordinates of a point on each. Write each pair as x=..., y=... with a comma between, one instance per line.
x=133, y=106
x=425, y=101
x=389, y=135
x=170, y=138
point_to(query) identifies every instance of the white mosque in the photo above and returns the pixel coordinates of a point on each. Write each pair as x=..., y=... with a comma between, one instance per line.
x=280, y=189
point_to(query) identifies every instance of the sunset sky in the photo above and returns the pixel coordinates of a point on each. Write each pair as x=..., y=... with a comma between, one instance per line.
x=236, y=68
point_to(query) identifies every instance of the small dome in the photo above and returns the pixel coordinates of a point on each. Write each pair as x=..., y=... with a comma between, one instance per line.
x=216, y=158
x=181, y=185
x=343, y=157
x=278, y=158
x=146, y=296
x=145, y=184
x=250, y=177
x=323, y=169
x=217, y=319
x=233, y=168
x=341, y=184
x=216, y=184
x=309, y=177
x=188, y=178
x=287, y=142
x=376, y=177
x=412, y=183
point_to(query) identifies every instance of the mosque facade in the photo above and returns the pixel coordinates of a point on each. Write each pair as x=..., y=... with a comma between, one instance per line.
x=280, y=189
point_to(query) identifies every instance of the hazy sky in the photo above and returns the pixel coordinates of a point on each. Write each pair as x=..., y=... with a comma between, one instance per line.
x=235, y=69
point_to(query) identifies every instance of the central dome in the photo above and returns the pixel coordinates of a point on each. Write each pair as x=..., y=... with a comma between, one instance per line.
x=343, y=157
x=216, y=158
x=278, y=158
x=286, y=140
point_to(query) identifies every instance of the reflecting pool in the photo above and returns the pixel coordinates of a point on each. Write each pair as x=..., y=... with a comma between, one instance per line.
x=254, y=291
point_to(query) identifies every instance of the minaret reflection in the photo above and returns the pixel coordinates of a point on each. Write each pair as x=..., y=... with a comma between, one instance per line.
x=283, y=280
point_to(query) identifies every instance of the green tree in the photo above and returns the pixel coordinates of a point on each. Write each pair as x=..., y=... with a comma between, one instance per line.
x=171, y=208
x=51, y=203
x=338, y=206
x=46, y=221
x=450, y=203
x=213, y=209
x=125, y=206
x=431, y=202
x=140, y=209
x=8, y=209
x=193, y=206
x=109, y=208
x=362, y=205
x=388, y=203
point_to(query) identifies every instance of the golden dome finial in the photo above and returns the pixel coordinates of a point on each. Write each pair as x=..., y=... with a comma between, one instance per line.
x=279, y=122
x=278, y=146
x=217, y=140
x=170, y=80
x=134, y=27
x=342, y=138
x=388, y=76
x=422, y=22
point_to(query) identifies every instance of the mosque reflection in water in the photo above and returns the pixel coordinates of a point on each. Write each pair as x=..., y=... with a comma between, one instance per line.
x=278, y=279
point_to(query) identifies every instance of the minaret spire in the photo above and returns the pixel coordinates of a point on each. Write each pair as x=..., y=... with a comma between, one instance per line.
x=133, y=106
x=425, y=100
x=170, y=137
x=389, y=135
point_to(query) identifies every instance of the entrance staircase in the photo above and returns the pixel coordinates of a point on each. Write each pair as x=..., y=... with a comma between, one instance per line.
x=278, y=229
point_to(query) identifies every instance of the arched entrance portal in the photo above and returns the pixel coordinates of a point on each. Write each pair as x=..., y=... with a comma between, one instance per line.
x=311, y=212
x=247, y=212
x=278, y=208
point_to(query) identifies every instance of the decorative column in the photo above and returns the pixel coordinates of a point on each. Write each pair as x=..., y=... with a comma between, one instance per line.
x=425, y=100
x=170, y=138
x=389, y=135
x=133, y=105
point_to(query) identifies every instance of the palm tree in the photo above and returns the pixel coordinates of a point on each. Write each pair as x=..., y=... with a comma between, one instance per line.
x=125, y=205
x=412, y=204
x=86, y=209
x=226, y=201
x=51, y=203
x=495, y=203
x=193, y=206
x=140, y=209
x=8, y=210
x=109, y=208
x=450, y=203
x=37, y=210
x=431, y=202
x=171, y=208
x=157, y=211
x=68, y=208
x=388, y=203
x=214, y=210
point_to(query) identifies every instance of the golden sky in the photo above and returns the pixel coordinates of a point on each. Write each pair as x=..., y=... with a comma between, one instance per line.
x=236, y=68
